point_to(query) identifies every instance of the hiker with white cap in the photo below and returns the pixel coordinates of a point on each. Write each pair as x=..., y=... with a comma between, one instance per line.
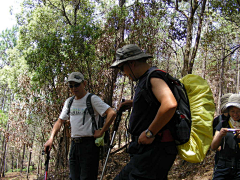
x=222, y=117
x=227, y=136
x=153, y=149
x=84, y=153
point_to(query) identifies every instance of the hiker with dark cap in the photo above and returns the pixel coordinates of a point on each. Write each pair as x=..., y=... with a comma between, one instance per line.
x=227, y=136
x=152, y=149
x=222, y=117
x=84, y=154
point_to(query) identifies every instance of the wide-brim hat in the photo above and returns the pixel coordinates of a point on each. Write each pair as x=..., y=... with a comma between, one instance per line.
x=76, y=77
x=234, y=100
x=129, y=52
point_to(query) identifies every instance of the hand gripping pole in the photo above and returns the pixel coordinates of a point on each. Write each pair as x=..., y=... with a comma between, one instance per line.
x=46, y=163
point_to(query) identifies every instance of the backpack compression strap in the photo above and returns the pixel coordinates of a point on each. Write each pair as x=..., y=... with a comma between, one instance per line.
x=89, y=108
x=69, y=104
x=91, y=112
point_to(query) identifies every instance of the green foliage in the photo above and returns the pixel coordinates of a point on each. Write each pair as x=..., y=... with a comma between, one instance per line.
x=56, y=41
x=18, y=170
x=3, y=119
x=230, y=10
x=8, y=40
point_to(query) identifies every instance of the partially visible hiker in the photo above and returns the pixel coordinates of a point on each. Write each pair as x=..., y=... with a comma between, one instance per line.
x=222, y=117
x=153, y=149
x=84, y=154
x=227, y=136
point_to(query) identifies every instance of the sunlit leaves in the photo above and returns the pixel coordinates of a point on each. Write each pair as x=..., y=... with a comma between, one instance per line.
x=3, y=119
x=8, y=40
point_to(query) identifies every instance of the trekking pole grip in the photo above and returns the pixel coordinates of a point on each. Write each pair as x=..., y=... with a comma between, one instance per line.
x=47, y=159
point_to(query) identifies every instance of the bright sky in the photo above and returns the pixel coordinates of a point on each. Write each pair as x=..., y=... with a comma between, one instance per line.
x=6, y=19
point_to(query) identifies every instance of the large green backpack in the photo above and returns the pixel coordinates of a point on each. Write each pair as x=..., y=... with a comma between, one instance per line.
x=192, y=122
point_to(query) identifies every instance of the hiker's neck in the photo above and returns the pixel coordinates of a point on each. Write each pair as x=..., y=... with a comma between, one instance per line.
x=141, y=68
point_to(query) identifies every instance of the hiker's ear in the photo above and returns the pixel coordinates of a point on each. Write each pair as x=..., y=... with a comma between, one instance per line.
x=132, y=63
x=84, y=83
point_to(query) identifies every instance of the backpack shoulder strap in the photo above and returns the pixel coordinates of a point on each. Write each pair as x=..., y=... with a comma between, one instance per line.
x=91, y=111
x=69, y=104
x=89, y=105
x=225, y=124
x=147, y=94
x=164, y=76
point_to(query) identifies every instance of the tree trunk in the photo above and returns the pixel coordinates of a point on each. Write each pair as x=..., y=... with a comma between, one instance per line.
x=195, y=48
x=13, y=160
x=17, y=162
x=23, y=153
x=187, y=52
x=237, y=88
x=221, y=78
x=4, y=154
x=1, y=157
x=39, y=163
x=29, y=162
x=4, y=159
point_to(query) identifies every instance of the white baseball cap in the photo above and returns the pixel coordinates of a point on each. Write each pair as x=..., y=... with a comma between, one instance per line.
x=76, y=77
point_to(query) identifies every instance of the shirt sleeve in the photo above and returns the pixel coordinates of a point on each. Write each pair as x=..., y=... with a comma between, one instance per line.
x=99, y=105
x=64, y=115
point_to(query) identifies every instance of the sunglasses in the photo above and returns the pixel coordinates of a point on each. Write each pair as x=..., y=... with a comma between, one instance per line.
x=74, y=85
x=121, y=68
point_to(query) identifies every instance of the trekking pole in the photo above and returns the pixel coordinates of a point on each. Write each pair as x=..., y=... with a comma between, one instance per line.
x=115, y=128
x=46, y=163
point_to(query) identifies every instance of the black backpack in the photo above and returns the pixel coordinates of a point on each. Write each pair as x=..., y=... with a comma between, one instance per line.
x=91, y=112
x=180, y=124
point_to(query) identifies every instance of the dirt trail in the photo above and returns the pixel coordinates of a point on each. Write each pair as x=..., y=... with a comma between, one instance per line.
x=18, y=176
x=181, y=170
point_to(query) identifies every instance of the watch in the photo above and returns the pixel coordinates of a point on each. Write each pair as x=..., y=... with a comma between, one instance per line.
x=149, y=134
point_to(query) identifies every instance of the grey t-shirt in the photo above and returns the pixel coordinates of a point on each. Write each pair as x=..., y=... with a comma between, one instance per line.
x=78, y=127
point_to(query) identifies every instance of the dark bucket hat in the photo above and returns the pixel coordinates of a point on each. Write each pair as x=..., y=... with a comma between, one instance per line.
x=129, y=52
x=234, y=100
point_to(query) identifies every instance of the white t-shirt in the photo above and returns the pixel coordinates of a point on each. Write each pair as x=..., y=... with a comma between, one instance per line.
x=78, y=127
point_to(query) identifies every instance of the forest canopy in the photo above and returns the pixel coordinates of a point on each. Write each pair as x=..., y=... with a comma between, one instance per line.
x=53, y=38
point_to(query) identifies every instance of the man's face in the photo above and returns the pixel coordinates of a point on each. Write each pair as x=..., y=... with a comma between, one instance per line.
x=76, y=88
x=126, y=70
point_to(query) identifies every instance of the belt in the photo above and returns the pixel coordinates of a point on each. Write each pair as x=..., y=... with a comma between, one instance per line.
x=166, y=136
x=81, y=139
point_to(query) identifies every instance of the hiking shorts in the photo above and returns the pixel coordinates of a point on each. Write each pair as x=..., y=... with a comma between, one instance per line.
x=151, y=161
x=84, y=159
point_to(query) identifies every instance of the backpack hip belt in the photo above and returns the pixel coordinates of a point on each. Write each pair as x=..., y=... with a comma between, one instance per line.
x=166, y=136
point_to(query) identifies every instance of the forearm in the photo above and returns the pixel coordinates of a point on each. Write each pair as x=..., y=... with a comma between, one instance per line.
x=111, y=115
x=162, y=117
x=168, y=105
x=56, y=128
x=216, y=141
